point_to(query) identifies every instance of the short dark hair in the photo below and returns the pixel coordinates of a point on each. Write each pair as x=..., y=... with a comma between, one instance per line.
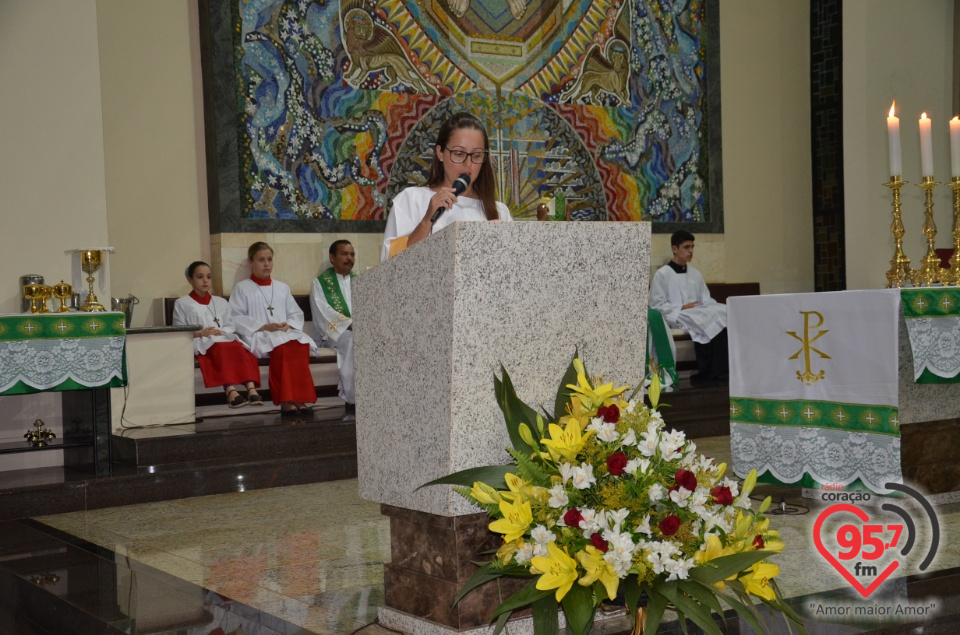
x=679, y=237
x=193, y=267
x=336, y=245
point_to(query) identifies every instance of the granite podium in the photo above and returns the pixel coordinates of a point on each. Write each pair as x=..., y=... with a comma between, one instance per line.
x=432, y=327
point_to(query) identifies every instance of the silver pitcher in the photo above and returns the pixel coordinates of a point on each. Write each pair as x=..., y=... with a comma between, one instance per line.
x=126, y=306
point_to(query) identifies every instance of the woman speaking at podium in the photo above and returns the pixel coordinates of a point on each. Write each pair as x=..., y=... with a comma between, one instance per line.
x=461, y=187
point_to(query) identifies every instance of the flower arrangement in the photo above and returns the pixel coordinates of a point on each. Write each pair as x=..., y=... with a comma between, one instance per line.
x=601, y=501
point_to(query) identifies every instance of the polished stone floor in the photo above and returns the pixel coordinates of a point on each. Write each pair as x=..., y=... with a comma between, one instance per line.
x=308, y=559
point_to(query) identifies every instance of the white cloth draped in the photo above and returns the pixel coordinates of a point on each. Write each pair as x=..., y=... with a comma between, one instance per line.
x=671, y=290
x=186, y=310
x=249, y=302
x=410, y=206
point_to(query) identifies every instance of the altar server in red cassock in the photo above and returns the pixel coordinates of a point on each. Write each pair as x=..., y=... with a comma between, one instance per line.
x=224, y=360
x=270, y=322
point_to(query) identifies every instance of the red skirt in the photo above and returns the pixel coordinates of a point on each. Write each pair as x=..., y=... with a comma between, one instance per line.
x=228, y=363
x=290, y=378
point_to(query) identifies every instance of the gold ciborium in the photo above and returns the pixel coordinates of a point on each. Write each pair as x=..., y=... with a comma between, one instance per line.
x=90, y=263
x=62, y=292
x=46, y=293
x=34, y=293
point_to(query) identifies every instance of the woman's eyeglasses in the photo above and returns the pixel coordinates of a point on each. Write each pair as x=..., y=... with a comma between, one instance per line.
x=459, y=156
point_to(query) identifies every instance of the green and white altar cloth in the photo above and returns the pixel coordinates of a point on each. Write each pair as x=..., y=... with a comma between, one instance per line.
x=932, y=316
x=813, y=387
x=61, y=351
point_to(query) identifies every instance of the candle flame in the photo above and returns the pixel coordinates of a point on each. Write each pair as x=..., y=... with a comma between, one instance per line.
x=955, y=118
x=892, y=106
x=923, y=115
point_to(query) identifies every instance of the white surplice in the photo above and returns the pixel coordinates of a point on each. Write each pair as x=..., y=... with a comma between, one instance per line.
x=332, y=330
x=249, y=302
x=186, y=310
x=671, y=290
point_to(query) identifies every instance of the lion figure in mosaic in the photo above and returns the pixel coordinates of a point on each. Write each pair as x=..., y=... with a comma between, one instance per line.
x=372, y=47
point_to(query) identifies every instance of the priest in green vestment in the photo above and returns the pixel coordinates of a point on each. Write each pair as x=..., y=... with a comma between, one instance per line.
x=332, y=319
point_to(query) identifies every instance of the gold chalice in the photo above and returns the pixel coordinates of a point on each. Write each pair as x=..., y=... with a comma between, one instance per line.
x=90, y=262
x=62, y=292
x=34, y=293
x=46, y=293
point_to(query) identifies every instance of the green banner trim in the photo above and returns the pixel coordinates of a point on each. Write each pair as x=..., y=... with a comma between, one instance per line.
x=816, y=414
x=926, y=377
x=21, y=388
x=61, y=326
x=927, y=302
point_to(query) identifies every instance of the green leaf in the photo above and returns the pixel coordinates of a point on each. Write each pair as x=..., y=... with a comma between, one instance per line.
x=745, y=612
x=546, y=620
x=524, y=597
x=578, y=607
x=529, y=470
x=481, y=576
x=563, y=393
x=492, y=475
x=656, y=605
x=631, y=592
x=501, y=622
x=702, y=594
x=697, y=613
x=514, y=411
x=725, y=566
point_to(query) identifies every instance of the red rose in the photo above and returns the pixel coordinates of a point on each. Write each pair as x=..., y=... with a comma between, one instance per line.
x=758, y=542
x=572, y=518
x=686, y=479
x=616, y=463
x=670, y=525
x=609, y=414
x=600, y=543
x=722, y=495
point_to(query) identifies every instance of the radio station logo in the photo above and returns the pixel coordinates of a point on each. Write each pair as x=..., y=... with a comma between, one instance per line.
x=868, y=552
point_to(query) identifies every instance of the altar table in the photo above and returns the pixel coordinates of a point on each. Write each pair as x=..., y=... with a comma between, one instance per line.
x=826, y=387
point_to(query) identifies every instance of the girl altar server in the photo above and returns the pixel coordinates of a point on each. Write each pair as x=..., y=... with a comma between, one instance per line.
x=462, y=148
x=270, y=322
x=224, y=360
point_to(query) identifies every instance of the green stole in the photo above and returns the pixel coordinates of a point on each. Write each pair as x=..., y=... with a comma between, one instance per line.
x=331, y=290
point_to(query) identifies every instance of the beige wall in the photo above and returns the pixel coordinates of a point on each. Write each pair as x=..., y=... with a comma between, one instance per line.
x=903, y=51
x=765, y=84
x=154, y=149
x=51, y=140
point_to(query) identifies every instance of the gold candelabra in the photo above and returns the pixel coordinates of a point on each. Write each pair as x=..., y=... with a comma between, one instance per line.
x=929, y=272
x=39, y=437
x=951, y=276
x=899, y=271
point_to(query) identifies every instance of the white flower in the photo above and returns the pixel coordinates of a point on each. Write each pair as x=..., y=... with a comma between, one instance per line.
x=678, y=568
x=657, y=492
x=566, y=471
x=524, y=553
x=630, y=438
x=644, y=526
x=540, y=551
x=637, y=465
x=590, y=524
x=630, y=406
x=680, y=496
x=558, y=496
x=582, y=476
x=617, y=517
x=648, y=443
x=698, y=501
x=541, y=535
x=606, y=432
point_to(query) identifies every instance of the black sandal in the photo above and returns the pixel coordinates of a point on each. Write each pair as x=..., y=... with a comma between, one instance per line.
x=254, y=398
x=237, y=402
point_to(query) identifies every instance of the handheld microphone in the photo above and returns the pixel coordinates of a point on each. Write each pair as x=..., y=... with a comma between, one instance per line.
x=459, y=187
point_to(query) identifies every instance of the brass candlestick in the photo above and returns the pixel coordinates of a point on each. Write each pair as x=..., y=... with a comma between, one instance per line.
x=951, y=276
x=929, y=272
x=39, y=437
x=899, y=271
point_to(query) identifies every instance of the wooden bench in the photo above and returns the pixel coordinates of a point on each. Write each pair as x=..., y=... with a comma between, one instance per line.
x=324, y=356
x=719, y=291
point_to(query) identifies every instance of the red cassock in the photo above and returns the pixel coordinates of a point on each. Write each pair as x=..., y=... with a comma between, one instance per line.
x=290, y=378
x=228, y=363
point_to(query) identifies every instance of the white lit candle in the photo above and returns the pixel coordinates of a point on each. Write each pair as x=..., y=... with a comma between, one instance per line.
x=926, y=146
x=893, y=135
x=955, y=147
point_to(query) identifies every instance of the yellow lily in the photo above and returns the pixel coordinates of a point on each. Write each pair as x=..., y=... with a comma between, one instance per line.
x=714, y=549
x=507, y=549
x=756, y=580
x=749, y=483
x=516, y=519
x=566, y=442
x=484, y=494
x=598, y=569
x=576, y=412
x=559, y=570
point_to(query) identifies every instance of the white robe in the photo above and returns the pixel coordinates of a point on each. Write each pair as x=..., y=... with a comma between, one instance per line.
x=410, y=206
x=249, y=302
x=331, y=328
x=671, y=290
x=186, y=310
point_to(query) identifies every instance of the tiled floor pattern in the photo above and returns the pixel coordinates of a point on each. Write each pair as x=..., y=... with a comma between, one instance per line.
x=313, y=554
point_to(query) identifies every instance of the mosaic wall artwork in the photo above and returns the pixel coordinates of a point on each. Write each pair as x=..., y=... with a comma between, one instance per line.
x=600, y=105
